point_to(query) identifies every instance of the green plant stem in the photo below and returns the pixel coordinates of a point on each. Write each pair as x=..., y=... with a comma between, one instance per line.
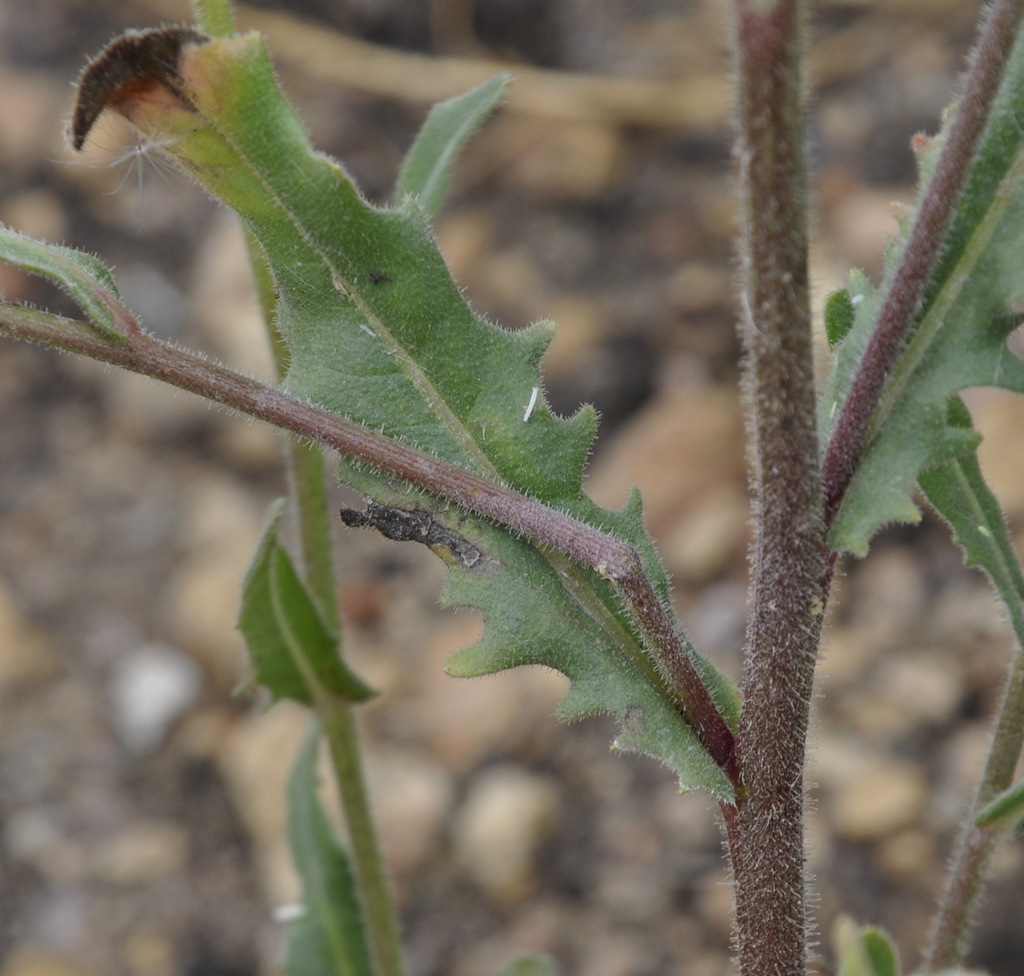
x=214, y=17
x=339, y=727
x=336, y=715
x=765, y=831
x=966, y=883
x=307, y=473
x=924, y=247
x=308, y=477
x=615, y=560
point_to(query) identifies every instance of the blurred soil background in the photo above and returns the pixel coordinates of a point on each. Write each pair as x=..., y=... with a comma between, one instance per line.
x=141, y=819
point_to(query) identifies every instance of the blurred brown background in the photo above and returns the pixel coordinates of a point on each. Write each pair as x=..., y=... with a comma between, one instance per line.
x=140, y=802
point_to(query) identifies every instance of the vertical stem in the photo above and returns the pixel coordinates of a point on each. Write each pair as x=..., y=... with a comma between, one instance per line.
x=214, y=17
x=306, y=469
x=338, y=722
x=790, y=578
x=977, y=845
x=308, y=479
x=307, y=475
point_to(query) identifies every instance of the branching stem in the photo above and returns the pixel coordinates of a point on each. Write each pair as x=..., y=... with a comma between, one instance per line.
x=906, y=289
x=617, y=561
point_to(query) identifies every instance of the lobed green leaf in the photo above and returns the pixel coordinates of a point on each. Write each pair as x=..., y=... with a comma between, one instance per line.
x=971, y=305
x=378, y=332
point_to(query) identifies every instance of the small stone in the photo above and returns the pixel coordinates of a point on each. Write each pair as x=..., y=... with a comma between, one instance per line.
x=697, y=434
x=225, y=306
x=704, y=543
x=879, y=797
x=38, y=962
x=412, y=797
x=905, y=694
x=462, y=721
x=142, y=853
x=221, y=534
x=998, y=415
x=34, y=836
x=25, y=653
x=567, y=160
x=38, y=213
x=150, y=953
x=149, y=691
x=26, y=125
x=909, y=857
x=700, y=287
x=506, y=816
x=257, y=757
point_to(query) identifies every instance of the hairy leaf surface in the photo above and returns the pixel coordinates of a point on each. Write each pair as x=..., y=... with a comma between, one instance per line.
x=87, y=280
x=377, y=331
x=428, y=164
x=973, y=301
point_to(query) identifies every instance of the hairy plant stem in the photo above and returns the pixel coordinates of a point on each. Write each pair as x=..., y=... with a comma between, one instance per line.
x=214, y=17
x=965, y=886
x=924, y=246
x=896, y=319
x=379, y=917
x=615, y=560
x=335, y=714
x=765, y=832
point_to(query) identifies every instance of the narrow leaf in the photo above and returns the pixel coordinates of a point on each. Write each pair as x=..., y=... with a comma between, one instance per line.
x=378, y=332
x=81, y=275
x=449, y=125
x=1005, y=811
x=293, y=650
x=328, y=938
x=959, y=337
x=863, y=950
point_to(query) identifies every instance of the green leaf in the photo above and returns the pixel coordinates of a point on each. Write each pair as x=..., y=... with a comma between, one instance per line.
x=428, y=164
x=839, y=316
x=81, y=275
x=863, y=950
x=295, y=653
x=533, y=965
x=328, y=938
x=959, y=339
x=958, y=492
x=378, y=332
x=1005, y=811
